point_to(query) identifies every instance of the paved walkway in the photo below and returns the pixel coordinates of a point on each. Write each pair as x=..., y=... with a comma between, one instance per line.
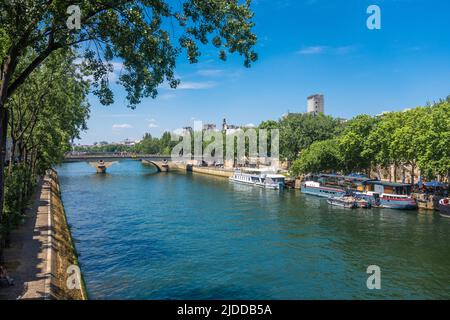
x=26, y=259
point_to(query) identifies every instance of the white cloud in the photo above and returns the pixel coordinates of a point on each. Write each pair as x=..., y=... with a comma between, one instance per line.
x=344, y=49
x=326, y=49
x=166, y=96
x=196, y=85
x=210, y=72
x=122, y=126
x=152, y=123
x=312, y=50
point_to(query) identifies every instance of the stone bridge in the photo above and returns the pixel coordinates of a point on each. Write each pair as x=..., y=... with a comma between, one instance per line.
x=101, y=161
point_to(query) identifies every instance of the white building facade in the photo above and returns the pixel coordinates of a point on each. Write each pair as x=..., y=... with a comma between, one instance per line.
x=316, y=104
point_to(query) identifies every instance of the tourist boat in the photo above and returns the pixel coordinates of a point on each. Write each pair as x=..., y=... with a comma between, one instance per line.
x=345, y=202
x=259, y=178
x=444, y=207
x=314, y=188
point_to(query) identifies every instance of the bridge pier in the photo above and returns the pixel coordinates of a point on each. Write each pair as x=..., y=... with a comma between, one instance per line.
x=101, y=166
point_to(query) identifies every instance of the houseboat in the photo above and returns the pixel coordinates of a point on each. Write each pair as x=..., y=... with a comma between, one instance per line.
x=390, y=195
x=259, y=178
x=444, y=208
x=316, y=189
x=395, y=201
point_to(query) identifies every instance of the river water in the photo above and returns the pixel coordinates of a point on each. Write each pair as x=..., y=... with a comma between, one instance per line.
x=147, y=235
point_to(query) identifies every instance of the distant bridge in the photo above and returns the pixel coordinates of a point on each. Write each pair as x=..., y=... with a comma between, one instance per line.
x=101, y=161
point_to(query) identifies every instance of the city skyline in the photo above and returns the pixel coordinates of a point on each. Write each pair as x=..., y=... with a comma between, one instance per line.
x=314, y=47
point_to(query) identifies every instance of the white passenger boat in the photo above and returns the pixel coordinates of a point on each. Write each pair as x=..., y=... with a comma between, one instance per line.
x=260, y=178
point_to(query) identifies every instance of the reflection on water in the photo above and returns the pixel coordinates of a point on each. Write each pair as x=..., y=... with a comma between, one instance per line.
x=143, y=235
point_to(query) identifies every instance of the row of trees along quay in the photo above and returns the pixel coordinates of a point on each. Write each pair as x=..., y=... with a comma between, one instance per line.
x=48, y=68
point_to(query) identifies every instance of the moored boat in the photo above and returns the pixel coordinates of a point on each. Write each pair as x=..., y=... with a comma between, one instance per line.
x=257, y=178
x=314, y=188
x=444, y=207
x=396, y=201
x=272, y=181
x=389, y=201
x=345, y=202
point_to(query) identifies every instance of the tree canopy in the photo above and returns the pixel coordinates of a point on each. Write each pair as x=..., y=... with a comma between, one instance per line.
x=46, y=113
x=299, y=131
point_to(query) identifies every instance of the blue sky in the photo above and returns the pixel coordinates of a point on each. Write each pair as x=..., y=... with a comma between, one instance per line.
x=304, y=47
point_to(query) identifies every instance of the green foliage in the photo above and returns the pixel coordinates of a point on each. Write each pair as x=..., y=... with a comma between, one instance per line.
x=320, y=156
x=45, y=114
x=105, y=148
x=434, y=158
x=5, y=43
x=353, y=149
x=19, y=187
x=153, y=145
x=299, y=131
x=49, y=109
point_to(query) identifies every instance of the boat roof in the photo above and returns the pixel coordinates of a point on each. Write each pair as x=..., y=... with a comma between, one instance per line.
x=394, y=195
x=256, y=170
x=362, y=179
x=387, y=183
x=354, y=177
x=272, y=175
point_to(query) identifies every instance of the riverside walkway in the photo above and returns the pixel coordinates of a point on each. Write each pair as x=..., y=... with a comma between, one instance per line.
x=42, y=258
x=27, y=259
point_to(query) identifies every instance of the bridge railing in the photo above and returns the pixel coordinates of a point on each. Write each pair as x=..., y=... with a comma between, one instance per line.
x=78, y=155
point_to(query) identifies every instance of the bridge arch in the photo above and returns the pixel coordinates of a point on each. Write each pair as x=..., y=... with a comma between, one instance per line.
x=161, y=166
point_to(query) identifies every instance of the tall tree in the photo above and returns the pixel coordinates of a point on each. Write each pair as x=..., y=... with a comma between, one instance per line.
x=321, y=156
x=299, y=131
x=435, y=158
x=355, y=153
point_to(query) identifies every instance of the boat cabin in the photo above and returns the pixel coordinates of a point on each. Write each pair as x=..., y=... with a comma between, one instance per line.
x=388, y=187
